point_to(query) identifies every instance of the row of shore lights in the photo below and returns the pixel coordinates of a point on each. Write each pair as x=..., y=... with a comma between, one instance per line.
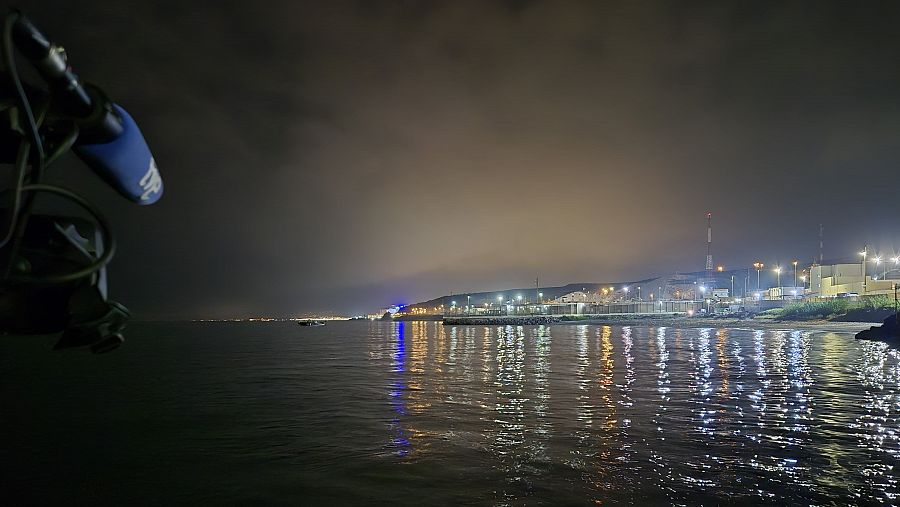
x=541, y=295
x=877, y=260
x=758, y=265
x=777, y=270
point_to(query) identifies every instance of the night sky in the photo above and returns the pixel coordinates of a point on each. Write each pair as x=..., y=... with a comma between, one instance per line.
x=348, y=155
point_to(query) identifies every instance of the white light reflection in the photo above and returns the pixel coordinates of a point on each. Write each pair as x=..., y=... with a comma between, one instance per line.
x=509, y=409
x=877, y=429
x=543, y=427
x=661, y=468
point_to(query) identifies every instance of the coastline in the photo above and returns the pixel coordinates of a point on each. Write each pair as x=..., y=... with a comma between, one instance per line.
x=734, y=323
x=669, y=321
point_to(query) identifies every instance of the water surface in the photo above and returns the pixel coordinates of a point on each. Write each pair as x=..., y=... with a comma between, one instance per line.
x=418, y=413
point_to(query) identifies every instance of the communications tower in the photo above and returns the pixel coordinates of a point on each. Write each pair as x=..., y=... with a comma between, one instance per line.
x=709, y=260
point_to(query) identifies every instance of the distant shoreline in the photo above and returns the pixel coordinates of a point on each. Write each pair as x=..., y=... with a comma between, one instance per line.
x=669, y=321
x=693, y=322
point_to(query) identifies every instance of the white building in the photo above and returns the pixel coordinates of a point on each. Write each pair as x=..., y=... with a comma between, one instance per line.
x=843, y=279
x=578, y=297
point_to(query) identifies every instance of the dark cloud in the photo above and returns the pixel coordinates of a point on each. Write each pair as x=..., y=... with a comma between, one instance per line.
x=337, y=155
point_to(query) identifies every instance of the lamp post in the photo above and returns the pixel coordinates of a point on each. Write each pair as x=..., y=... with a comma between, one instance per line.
x=758, y=265
x=864, y=253
x=625, y=290
x=639, y=292
x=795, y=272
x=778, y=283
x=500, y=304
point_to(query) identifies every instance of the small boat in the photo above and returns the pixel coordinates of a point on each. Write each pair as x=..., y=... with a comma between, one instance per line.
x=310, y=323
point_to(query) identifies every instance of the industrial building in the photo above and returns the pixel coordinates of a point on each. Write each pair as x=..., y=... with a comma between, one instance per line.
x=837, y=280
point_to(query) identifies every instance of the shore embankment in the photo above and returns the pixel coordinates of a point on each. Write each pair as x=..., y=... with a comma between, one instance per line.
x=667, y=320
x=511, y=320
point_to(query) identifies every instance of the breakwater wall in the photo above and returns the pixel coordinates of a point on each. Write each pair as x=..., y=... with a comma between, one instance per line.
x=532, y=320
x=506, y=320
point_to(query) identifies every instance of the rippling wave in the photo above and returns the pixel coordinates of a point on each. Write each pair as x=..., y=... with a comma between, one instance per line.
x=418, y=413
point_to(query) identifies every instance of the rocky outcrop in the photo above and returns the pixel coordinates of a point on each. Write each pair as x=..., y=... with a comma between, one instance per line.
x=889, y=330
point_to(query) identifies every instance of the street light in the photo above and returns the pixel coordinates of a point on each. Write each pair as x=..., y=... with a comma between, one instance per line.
x=778, y=284
x=795, y=272
x=758, y=265
x=864, y=254
x=877, y=261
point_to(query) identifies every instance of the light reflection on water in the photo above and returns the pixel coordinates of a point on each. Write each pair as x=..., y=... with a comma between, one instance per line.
x=585, y=413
